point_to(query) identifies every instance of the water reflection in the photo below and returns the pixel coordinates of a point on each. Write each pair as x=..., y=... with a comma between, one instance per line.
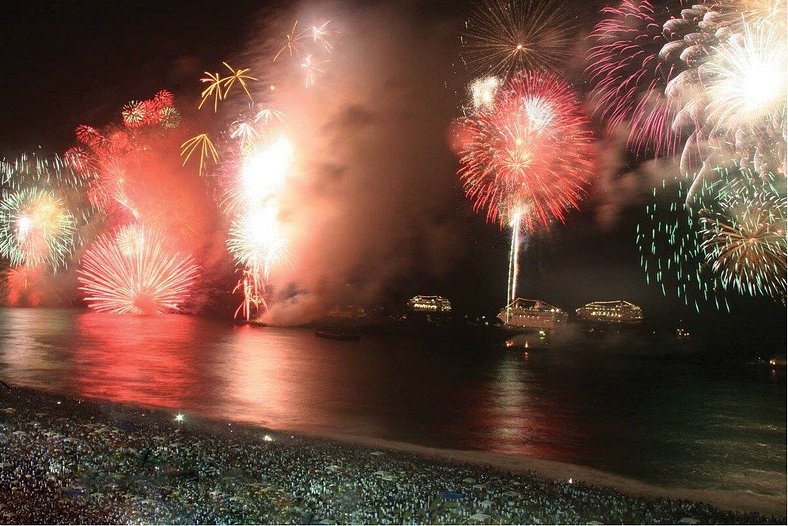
x=31, y=345
x=135, y=359
x=652, y=420
x=255, y=390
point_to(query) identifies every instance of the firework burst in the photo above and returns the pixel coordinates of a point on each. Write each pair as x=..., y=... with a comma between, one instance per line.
x=630, y=76
x=503, y=37
x=206, y=148
x=256, y=240
x=482, y=91
x=744, y=237
x=746, y=83
x=132, y=271
x=109, y=159
x=36, y=228
x=530, y=155
x=526, y=159
x=317, y=34
x=309, y=48
x=669, y=243
x=261, y=174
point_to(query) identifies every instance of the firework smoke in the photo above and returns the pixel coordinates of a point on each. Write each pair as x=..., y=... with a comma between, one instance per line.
x=371, y=190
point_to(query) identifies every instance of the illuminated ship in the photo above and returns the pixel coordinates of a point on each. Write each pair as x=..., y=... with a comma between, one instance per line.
x=616, y=311
x=429, y=304
x=532, y=314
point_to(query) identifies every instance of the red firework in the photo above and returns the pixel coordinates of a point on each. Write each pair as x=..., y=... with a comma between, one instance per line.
x=148, y=112
x=112, y=157
x=630, y=76
x=529, y=157
x=133, y=271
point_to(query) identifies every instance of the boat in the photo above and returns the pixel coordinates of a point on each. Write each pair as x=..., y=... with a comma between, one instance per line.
x=616, y=311
x=339, y=334
x=429, y=304
x=532, y=314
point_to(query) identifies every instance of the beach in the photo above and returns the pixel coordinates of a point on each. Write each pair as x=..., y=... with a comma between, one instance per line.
x=68, y=460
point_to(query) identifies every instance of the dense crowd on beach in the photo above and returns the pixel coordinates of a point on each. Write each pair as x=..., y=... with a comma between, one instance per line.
x=72, y=461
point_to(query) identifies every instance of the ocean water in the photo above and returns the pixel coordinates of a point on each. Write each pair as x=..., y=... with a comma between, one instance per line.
x=665, y=422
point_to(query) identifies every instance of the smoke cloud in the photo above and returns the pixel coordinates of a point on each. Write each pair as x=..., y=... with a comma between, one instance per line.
x=375, y=187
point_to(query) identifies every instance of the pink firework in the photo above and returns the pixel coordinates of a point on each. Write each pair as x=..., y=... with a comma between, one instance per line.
x=528, y=158
x=132, y=271
x=629, y=75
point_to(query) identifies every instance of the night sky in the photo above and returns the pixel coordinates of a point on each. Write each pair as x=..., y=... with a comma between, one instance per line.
x=71, y=62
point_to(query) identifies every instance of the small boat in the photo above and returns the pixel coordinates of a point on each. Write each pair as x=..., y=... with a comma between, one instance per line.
x=338, y=334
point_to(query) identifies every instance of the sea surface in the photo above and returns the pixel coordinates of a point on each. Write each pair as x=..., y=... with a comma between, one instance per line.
x=661, y=421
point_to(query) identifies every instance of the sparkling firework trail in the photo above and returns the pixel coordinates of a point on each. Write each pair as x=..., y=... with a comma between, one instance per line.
x=268, y=116
x=312, y=68
x=36, y=228
x=35, y=171
x=503, y=37
x=133, y=272
x=310, y=47
x=320, y=36
x=514, y=257
x=252, y=289
x=291, y=40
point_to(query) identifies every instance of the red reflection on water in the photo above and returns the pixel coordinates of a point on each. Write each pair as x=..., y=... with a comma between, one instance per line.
x=143, y=360
x=519, y=416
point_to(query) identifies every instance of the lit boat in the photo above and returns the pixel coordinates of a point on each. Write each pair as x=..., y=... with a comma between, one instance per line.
x=429, y=304
x=617, y=311
x=532, y=314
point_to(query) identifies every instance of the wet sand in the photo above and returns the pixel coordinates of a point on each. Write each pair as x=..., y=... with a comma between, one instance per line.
x=66, y=460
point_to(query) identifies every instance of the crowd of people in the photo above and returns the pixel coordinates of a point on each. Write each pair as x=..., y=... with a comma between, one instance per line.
x=73, y=461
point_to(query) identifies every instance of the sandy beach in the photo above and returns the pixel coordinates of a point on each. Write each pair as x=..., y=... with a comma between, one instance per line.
x=78, y=461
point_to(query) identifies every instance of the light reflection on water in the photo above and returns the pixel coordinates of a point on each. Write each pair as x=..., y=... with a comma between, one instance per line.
x=656, y=421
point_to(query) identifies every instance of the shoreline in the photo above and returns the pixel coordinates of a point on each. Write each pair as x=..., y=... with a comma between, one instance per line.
x=732, y=500
x=140, y=466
